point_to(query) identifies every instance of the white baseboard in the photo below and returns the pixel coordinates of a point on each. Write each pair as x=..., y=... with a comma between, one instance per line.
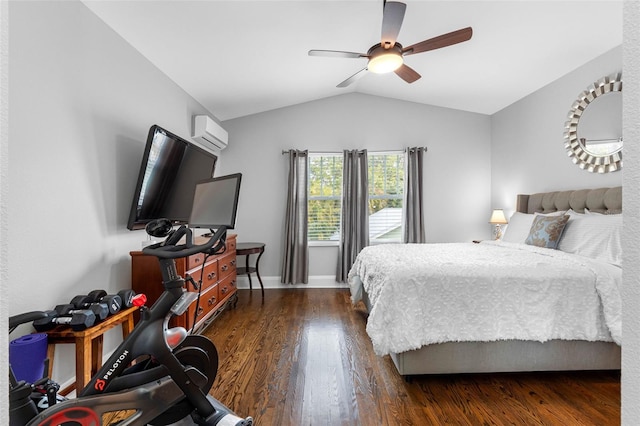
x=318, y=281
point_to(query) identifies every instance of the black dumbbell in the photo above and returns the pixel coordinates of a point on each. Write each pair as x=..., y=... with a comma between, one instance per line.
x=100, y=310
x=78, y=321
x=126, y=296
x=113, y=302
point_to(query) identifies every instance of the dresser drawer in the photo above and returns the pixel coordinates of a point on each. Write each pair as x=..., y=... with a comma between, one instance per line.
x=208, y=300
x=227, y=286
x=211, y=274
x=195, y=260
x=227, y=265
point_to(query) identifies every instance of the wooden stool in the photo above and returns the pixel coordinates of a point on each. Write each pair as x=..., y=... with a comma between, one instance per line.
x=88, y=345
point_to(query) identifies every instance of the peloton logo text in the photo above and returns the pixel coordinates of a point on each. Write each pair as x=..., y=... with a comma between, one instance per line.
x=100, y=383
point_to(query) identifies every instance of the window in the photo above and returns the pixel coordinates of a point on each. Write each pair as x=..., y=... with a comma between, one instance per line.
x=325, y=195
x=386, y=185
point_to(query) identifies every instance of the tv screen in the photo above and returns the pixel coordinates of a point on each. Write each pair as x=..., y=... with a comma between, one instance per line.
x=170, y=169
x=215, y=202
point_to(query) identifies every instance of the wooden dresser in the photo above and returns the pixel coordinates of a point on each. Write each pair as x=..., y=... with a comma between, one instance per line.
x=218, y=281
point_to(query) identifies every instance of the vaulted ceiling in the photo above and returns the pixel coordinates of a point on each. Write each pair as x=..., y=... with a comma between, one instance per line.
x=243, y=57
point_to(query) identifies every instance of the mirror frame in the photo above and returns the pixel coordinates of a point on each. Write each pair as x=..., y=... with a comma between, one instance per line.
x=585, y=160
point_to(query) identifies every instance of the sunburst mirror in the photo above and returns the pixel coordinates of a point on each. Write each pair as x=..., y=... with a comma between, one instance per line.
x=593, y=131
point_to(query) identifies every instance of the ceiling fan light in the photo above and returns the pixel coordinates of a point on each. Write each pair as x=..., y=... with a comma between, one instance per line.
x=385, y=62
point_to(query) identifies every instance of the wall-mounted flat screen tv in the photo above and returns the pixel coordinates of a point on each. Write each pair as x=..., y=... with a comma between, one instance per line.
x=170, y=169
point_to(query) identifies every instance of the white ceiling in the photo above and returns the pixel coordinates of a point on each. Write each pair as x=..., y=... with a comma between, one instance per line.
x=243, y=57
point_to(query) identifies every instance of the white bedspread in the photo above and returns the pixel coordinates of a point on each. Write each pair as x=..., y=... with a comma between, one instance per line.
x=432, y=293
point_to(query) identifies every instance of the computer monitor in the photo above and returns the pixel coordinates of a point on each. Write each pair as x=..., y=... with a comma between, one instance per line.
x=215, y=202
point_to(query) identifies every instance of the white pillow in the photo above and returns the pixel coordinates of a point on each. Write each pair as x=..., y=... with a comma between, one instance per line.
x=594, y=235
x=518, y=228
x=586, y=211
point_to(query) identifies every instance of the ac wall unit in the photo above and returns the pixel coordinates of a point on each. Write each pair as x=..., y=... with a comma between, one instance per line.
x=209, y=133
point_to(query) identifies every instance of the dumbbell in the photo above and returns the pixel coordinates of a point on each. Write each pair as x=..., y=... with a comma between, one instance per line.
x=80, y=320
x=126, y=296
x=100, y=310
x=112, y=302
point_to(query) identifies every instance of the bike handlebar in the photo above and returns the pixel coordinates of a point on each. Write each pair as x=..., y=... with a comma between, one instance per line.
x=169, y=249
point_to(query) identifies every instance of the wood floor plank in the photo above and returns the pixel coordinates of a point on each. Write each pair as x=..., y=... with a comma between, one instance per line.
x=302, y=357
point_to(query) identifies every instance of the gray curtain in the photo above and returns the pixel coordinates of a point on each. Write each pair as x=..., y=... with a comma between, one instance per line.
x=413, y=220
x=354, y=235
x=295, y=258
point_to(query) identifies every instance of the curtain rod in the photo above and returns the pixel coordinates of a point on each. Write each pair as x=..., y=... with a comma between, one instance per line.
x=285, y=151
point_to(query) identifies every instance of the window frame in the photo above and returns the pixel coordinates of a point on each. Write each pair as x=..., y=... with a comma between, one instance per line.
x=332, y=243
x=399, y=187
x=320, y=243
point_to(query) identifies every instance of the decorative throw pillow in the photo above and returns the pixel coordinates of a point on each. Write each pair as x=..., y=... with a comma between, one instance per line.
x=546, y=231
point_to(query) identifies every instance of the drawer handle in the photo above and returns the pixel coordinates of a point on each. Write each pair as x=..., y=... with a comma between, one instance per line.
x=196, y=260
x=233, y=262
x=200, y=310
x=233, y=283
x=224, y=267
x=224, y=290
x=211, y=276
x=212, y=301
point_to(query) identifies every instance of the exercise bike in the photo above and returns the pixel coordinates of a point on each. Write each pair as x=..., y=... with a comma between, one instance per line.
x=173, y=371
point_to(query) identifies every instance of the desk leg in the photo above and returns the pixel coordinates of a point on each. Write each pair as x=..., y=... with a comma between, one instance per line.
x=83, y=363
x=258, y=272
x=246, y=265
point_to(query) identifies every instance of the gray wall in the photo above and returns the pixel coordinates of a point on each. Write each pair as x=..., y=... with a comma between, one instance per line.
x=527, y=142
x=631, y=200
x=4, y=185
x=457, y=165
x=81, y=103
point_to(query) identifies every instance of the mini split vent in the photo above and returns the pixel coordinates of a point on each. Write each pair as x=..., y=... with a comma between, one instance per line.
x=209, y=133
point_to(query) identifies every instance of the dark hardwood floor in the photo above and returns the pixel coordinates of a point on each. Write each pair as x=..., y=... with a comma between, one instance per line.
x=303, y=358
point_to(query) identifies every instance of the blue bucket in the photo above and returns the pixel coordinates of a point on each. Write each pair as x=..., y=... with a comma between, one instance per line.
x=27, y=355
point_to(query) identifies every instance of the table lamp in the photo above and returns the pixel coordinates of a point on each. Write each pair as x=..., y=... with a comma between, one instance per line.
x=497, y=219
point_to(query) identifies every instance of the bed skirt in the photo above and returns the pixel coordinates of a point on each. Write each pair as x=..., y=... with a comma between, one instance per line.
x=508, y=356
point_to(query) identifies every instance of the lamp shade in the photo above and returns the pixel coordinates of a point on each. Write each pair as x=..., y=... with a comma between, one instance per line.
x=384, y=62
x=497, y=217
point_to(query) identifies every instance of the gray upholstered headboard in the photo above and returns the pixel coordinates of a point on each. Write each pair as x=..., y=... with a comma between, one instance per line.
x=601, y=200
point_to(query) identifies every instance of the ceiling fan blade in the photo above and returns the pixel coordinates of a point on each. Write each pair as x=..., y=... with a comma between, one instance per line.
x=392, y=17
x=353, y=78
x=336, y=54
x=407, y=73
x=440, y=41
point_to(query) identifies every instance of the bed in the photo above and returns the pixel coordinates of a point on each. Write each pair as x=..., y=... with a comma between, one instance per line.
x=504, y=306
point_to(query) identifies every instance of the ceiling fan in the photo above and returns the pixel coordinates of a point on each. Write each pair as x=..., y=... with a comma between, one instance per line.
x=387, y=55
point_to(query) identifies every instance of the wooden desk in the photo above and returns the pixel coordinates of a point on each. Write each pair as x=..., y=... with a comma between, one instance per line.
x=88, y=344
x=247, y=249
